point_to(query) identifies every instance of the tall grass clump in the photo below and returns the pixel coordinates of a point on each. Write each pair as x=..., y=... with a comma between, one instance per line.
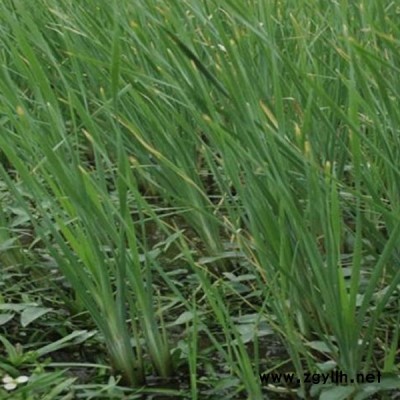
x=86, y=215
x=270, y=127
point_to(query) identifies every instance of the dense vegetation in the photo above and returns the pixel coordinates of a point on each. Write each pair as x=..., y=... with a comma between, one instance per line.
x=195, y=193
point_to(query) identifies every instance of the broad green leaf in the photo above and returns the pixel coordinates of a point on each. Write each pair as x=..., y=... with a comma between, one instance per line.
x=16, y=307
x=185, y=317
x=30, y=314
x=4, y=318
x=71, y=339
x=337, y=393
x=319, y=346
x=327, y=366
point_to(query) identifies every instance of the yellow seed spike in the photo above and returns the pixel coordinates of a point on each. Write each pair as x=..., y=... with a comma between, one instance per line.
x=269, y=114
x=307, y=148
x=206, y=118
x=328, y=167
x=297, y=131
x=20, y=111
x=134, y=161
x=88, y=135
x=83, y=170
x=133, y=24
